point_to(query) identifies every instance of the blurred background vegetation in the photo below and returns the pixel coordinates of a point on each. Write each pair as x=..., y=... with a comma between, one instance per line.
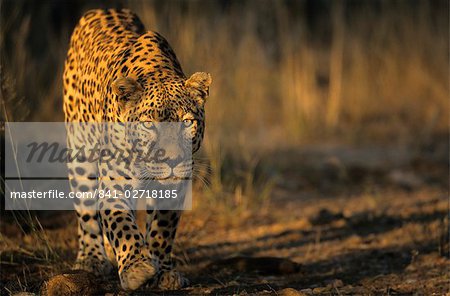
x=286, y=74
x=327, y=126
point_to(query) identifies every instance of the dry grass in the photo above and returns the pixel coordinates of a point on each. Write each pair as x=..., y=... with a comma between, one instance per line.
x=380, y=75
x=363, y=76
x=367, y=71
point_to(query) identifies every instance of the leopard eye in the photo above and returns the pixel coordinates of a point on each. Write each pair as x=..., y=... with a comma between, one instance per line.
x=188, y=122
x=148, y=124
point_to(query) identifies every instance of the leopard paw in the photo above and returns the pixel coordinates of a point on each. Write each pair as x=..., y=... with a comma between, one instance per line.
x=172, y=280
x=137, y=273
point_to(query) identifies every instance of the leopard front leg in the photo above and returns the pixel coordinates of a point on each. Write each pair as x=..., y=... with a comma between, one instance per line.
x=135, y=263
x=91, y=254
x=161, y=229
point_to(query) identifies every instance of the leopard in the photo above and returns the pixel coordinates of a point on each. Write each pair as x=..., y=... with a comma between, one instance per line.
x=116, y=71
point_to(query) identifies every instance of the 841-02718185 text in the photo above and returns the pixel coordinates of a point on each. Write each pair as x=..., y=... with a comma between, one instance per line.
x=135, y=194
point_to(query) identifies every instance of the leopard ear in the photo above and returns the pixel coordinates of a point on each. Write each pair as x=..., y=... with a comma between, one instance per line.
x=198, y=86
x=127, y=88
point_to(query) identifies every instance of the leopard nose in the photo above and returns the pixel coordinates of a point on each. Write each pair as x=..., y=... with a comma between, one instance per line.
x=173, y=162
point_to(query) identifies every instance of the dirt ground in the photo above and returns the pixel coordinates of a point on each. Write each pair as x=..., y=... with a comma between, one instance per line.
x=334, y=228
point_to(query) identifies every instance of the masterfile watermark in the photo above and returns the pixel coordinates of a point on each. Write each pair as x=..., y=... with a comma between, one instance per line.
x=51, y=166
x=53, y=152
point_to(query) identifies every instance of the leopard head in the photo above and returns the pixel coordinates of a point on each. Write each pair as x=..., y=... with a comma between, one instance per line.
x=170, y=112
